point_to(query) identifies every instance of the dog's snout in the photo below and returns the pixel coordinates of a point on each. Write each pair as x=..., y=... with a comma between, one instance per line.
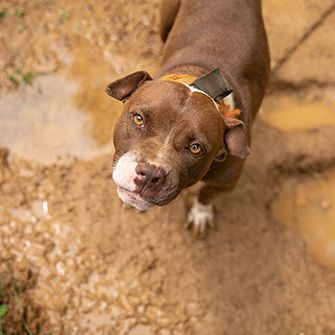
x=149, y=176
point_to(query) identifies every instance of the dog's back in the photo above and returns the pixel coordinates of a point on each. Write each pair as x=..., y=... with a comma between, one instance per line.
x=228, y=34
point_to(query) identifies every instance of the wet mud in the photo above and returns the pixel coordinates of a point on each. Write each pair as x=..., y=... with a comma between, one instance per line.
x=308, y=207
x=74, y=260
x=289, y=113
x=46, y=124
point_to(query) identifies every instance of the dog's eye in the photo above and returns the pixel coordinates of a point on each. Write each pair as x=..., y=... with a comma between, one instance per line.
x=138, y=120
x=195, y=148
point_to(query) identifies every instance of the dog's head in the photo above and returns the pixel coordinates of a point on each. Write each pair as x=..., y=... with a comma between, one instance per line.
x=167, y=138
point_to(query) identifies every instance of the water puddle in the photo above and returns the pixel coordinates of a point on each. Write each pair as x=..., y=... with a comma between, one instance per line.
x=289, y=113
x=309, y=209
x=62, y=115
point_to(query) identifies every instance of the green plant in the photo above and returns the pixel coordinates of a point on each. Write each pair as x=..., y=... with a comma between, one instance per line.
x=3, y=312
x=17, y=12
x=18, y=77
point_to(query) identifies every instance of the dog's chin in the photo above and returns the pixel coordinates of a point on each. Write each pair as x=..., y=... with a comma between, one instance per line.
x=133, y=199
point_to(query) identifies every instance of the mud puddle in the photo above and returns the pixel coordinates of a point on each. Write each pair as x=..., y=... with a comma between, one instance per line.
x=295, y=112
x=308, y=207
x=61, y=115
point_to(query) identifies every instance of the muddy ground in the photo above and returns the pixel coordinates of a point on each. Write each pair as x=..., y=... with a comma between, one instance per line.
x=74, y=260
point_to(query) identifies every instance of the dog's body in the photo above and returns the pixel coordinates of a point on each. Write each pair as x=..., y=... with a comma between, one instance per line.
x=158, y=137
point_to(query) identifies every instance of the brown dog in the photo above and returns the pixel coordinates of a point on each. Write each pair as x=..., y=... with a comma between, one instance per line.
x=187, y=125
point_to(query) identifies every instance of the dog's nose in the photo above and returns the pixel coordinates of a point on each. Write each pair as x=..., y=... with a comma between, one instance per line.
x=149, y=176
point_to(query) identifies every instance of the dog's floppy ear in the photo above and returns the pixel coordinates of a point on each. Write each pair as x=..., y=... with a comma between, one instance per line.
x=235, y=138
x=124, y=87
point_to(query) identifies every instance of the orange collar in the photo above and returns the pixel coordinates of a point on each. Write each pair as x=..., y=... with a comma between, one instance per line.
x=179, y=78
x=187, y=79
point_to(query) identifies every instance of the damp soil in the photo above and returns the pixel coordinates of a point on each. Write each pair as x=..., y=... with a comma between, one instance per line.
x=74, y=260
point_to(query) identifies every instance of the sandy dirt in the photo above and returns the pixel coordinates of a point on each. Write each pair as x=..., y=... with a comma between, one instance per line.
x=74, y=260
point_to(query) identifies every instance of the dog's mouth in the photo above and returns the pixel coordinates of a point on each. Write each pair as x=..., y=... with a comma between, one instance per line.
x=134, y=199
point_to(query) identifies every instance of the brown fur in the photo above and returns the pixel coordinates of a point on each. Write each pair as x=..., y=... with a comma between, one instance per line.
x=228, y=34
x=200, y=36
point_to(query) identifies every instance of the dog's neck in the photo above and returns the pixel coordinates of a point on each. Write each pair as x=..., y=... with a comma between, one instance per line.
x=187, y=79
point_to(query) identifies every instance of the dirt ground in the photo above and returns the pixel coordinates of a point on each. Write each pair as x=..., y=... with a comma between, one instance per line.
x=74, y=260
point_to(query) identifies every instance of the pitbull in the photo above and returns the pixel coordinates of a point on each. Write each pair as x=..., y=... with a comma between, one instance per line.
x=192, y=121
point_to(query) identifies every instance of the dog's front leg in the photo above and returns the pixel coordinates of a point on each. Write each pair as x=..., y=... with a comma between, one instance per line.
x=201, y=214
x=221, y=179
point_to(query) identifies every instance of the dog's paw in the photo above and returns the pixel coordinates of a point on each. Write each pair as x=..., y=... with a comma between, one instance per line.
x=200, y=218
